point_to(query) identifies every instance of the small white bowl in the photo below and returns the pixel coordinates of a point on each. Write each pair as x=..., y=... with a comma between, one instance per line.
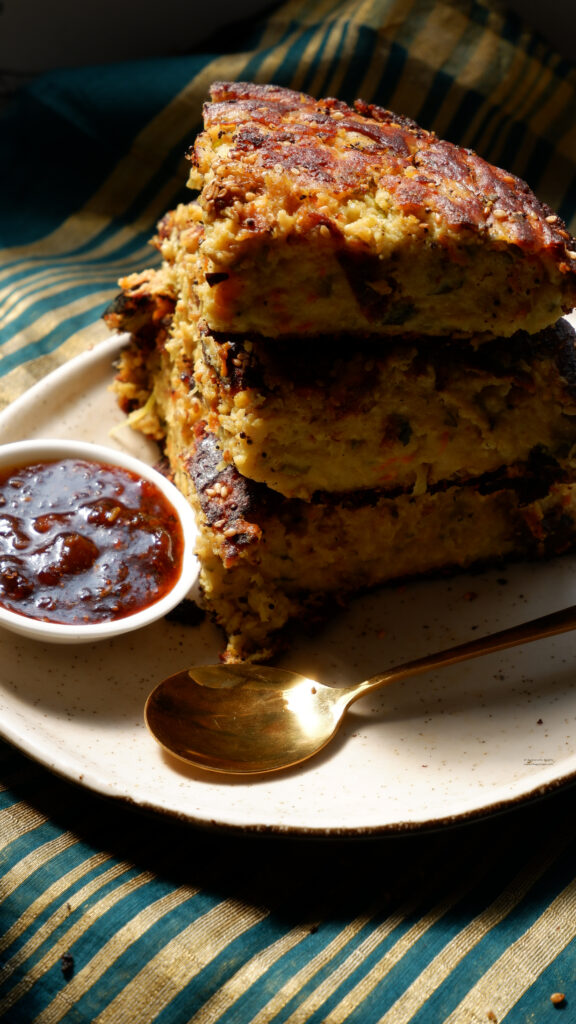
x=22, y=453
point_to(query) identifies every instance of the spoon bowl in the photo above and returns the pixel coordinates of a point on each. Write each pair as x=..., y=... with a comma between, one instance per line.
x=250, y=719
x=244, y=718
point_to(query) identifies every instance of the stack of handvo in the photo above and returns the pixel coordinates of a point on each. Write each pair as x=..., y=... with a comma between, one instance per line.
x=354, y=356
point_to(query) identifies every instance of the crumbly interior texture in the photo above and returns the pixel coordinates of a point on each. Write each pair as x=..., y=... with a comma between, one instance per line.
x=433, y=431
x=303, y=287
x=346, y=417
x=267, y=560
x=317, y=214
x=405, y=421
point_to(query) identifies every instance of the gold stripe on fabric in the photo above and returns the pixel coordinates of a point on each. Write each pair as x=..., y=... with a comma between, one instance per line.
x=335, y=81
x=558, y=115
x=514, y=84
x=484, y=67
x=41, y=272
x=17, y=820
x=359, y=992
x=278, y=39
x=429, y=51
x=439, y=969
x=497, y=149
x=177, y=963
x=521, y=964
x=272, y=61
x=566, y=146
x=50, y=321
x=65, y=940
x=158, y=137
x=258, y=965
x=134, y=172
x=124, y=235
x=131, y=175
x=16, y=298
x=41, y=253
x=296, y=983
x=343, y=971
x=484, y=71
x=149, y=149
x=500, y=99
x=24, y=299
x=527, y=97
x=23, y=377
x=346, y=21
x=387, y=17
x=250, y=973
x=308, y=57
x=388, y=26
x=305, y=13
x=20, y=872
x=355, y=996
x=62, y=911
x=500, y=118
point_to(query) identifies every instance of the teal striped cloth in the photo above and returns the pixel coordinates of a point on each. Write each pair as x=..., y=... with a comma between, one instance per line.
x=108, y=916
x=91, y=158
x=116, y=918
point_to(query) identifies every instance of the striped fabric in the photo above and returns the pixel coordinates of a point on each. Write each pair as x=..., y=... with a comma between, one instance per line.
x=115, y=918
x=92, y=158
x=107, y=916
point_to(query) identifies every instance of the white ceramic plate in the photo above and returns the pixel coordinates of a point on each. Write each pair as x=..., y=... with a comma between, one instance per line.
x=449, y=746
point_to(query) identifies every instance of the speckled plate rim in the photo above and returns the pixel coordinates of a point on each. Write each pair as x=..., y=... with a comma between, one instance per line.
x=273, y=830
x=57, y=390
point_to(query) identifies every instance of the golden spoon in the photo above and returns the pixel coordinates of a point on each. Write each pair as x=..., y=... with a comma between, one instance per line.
x=248, y=719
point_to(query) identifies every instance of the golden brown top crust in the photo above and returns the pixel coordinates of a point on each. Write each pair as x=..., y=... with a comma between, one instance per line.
x=328, y=152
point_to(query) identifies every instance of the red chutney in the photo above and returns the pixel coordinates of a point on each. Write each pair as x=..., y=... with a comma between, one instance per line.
x=82, y=542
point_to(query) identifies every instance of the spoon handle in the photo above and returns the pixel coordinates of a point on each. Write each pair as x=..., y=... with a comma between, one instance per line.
x=537, y=629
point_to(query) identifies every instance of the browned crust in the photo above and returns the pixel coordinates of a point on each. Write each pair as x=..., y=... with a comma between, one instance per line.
x=234, y=507
x=346, y=151
x=144, y=307
x=247, y=361
x=237, y=509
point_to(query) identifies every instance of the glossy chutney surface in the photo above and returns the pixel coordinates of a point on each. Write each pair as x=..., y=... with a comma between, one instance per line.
x=84, y=542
